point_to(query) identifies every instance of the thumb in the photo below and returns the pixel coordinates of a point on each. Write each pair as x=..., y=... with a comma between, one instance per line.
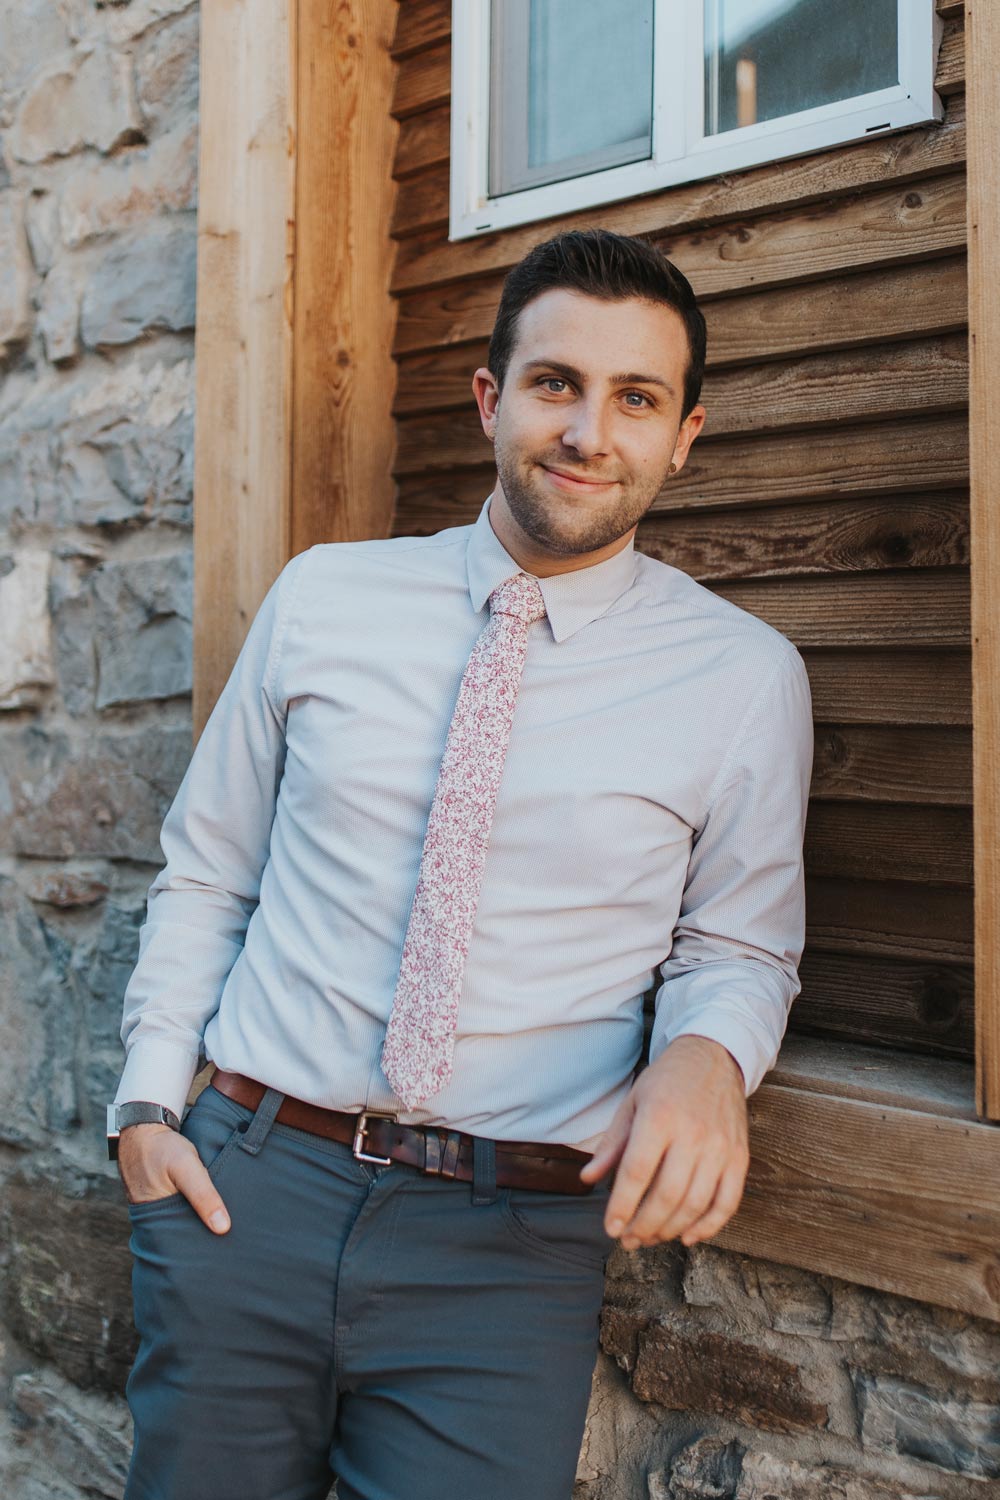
x=611, y=1145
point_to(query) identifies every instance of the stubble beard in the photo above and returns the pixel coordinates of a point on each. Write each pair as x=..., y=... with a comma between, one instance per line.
x=565, y=524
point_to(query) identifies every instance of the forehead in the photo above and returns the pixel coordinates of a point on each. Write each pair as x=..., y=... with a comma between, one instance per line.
x=601, y=336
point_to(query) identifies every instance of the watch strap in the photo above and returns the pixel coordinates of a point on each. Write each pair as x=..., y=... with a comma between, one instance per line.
x=136, y=1112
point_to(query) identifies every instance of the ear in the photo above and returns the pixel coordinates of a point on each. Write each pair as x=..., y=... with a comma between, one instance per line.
x=689, y=430
x=487, y=395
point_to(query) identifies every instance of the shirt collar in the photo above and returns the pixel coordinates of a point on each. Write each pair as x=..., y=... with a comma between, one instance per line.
x=571, y=599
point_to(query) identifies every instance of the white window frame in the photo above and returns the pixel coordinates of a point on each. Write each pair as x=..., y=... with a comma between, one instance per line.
x=681, y=152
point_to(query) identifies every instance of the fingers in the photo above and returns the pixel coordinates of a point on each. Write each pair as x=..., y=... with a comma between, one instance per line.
x=681, y=1191
x=641, y=1158
x=611, y=1145
x=721, y=1209
x=193, y=1181
x=160, y=1162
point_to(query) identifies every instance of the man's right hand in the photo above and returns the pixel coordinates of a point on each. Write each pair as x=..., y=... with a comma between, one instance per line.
x=155, y=1161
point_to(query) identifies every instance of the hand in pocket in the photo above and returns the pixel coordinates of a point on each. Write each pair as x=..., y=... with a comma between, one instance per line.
x=155, y=1162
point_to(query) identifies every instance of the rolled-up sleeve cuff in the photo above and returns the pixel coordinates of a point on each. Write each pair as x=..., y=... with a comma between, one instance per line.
x=158, y=1071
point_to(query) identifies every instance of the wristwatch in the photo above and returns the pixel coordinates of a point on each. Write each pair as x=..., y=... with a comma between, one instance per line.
x=136, y=1112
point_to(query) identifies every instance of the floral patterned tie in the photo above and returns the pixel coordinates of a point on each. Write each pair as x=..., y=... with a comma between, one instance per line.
x=419, y=1045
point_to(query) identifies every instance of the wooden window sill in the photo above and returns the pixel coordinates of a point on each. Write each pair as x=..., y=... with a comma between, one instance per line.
x=872, y=1165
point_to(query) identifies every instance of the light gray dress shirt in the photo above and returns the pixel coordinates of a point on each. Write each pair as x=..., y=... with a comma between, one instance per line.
x=649, y=825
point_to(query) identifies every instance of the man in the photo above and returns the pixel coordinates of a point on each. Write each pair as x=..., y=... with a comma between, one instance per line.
x=461, y=798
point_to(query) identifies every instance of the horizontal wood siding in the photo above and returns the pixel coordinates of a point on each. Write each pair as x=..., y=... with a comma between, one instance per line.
x=828, y=493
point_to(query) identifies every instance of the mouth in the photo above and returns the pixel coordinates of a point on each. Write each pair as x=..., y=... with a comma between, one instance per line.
x=565, y=481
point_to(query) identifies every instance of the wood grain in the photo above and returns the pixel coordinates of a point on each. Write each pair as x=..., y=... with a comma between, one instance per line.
x=243, y=335
x=983, y=33
x=919, y=1006
x=420, y=24
x=424, y=141
x=890, y=687
x=423, y=80
x=870, y=459
x=892, y=764
x=775, y=188
x=911, y=531
x=889, y=841
x=901, y=1199
x=344, y=371
x=889, y=918
x=838, y=312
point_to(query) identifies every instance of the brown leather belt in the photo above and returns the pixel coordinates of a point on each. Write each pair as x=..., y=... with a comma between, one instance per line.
x=377, y=1137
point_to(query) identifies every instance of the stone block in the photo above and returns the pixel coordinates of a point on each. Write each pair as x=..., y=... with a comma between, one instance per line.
x=142, y=615
x=85, y=1440
x=25, y=629
x=899, y=1336
x=16, y=311
x=67, y=1282
x=766, y=1475
x=954, y=1432
x=620, y=1331
x=59, y=312
x=73, y=630
x=127, y=21
x=104, y=197
x=39, y=1023
x=167, y=70
x=688, y=1368
x=707, y=1469
x=29, y=483
x=31, y=33
x=145, y=280
x=90, y=494
x=102, y=967
x=777, y=1296
x=140, y=423
x=67, y=889
x=104, y=796
x=41, y=221
x=85, y=98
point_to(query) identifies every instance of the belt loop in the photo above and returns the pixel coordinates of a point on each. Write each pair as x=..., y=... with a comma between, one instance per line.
x=256, y=1131
x=484, y=1171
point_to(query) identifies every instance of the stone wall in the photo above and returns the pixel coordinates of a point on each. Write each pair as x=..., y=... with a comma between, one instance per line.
x=720, y=1377
x=98, y=180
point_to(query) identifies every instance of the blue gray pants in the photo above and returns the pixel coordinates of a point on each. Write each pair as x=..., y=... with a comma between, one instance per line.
x=361, y=1322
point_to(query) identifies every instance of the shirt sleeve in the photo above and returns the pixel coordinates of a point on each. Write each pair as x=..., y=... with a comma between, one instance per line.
x=216, y=839
x=732, y=972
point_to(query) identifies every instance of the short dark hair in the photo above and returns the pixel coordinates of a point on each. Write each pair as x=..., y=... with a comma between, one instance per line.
x=602, y=264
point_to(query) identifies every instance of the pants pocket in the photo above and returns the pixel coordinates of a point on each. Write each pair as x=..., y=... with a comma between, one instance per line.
x=214, y=1125
x=567, y=1227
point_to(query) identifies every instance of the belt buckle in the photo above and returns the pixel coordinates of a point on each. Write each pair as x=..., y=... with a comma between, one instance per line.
x=359, y=1136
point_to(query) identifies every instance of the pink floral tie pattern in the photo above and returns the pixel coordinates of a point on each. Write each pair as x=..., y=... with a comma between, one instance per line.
x=418, y=1051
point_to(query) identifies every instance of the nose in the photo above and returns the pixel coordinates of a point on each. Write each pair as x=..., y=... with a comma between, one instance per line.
x=585, y=429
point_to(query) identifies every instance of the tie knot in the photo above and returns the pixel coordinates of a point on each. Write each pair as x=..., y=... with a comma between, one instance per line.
x=519, y=595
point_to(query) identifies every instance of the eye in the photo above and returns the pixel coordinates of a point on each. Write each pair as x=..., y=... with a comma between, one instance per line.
x=642, y=396
x=547, y=379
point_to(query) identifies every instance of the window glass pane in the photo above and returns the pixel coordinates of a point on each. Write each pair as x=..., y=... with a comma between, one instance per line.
x=766, y=58
x=571, y=89
x=590, y=78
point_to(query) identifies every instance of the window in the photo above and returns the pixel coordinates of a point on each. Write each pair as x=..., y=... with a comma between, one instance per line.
x=561, y=104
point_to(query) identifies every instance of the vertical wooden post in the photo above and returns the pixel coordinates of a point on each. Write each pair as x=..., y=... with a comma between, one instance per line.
x=294, y=438
x=243, y=334
x=982, y=41
x=343, y=436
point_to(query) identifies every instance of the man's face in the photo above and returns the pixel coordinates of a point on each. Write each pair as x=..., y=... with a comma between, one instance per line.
x=589, y=418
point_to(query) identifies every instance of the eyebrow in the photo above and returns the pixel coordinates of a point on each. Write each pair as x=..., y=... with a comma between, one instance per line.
x=631, y=377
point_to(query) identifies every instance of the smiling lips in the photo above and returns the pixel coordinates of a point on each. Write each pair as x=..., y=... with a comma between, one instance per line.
x=570, y=482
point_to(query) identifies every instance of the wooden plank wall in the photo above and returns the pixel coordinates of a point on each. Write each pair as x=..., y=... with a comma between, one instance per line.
x=828, y=492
